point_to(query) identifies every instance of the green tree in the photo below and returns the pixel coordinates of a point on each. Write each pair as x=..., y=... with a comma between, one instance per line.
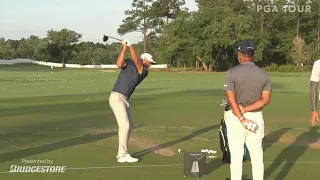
x=175, y=41
x=299, y=53
x=28, y=48
x=8, y=50
x=149, y=17
x=137, y=19
x=62, y=43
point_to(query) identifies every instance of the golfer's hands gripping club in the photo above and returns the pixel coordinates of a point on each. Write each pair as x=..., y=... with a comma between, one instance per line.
x=126, y=42
x=314, y=118
x=249, y=125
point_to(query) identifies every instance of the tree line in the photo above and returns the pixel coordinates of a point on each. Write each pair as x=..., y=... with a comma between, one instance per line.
x=286, y=32
x=62, y=46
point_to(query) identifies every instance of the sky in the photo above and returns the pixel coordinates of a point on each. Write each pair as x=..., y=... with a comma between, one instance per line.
x=91, y=18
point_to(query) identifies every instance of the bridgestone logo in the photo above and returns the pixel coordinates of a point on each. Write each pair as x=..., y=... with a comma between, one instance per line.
x=37, y=169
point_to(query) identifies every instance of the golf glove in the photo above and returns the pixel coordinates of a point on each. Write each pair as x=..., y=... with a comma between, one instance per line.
x=126, y=41
x=252, y=127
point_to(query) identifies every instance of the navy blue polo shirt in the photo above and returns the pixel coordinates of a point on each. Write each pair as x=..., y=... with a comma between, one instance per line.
x=129, y=78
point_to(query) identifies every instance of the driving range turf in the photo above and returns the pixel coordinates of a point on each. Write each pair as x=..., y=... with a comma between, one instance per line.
x=64, y=115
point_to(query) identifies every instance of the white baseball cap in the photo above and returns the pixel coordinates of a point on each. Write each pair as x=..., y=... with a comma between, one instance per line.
x=147, y=56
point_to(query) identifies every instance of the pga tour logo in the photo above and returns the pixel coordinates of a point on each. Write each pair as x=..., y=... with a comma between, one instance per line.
x=290, y=6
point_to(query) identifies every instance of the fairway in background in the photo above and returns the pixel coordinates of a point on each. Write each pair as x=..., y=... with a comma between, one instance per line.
x=64, y=115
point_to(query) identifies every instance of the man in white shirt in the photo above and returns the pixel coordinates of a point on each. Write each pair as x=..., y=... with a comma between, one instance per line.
x=315, y=77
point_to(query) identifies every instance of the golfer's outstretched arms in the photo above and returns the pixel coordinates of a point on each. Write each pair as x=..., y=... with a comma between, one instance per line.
x=263, y=100
x=120, y=61
x=135, y=59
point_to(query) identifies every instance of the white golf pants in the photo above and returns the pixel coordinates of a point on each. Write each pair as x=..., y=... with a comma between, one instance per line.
x=122, y=111
x=237, y=136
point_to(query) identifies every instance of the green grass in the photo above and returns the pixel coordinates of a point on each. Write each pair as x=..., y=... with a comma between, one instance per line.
x=64, y=115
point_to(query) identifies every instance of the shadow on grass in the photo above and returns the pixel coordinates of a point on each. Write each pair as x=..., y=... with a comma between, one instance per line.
x=51, y=147
x=196, y=133
x=278, y=87
x=292, y=153
x=282, y=88
x=269, y=140
x=35, y=106
x=55, y=146
x=273, y=137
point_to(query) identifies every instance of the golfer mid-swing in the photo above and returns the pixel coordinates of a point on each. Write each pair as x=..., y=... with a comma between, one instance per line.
x=248, y=89
x=132, y=72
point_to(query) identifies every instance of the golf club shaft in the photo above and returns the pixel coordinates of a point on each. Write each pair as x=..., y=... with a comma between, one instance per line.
x=114, y=38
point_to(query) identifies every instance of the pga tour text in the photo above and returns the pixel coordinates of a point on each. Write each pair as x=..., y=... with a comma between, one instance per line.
x=284, y=8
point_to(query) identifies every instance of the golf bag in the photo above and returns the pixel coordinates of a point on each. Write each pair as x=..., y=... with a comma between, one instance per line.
x=224, y=144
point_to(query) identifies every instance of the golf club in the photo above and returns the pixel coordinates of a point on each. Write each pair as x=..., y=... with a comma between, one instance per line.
x=105, y=38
